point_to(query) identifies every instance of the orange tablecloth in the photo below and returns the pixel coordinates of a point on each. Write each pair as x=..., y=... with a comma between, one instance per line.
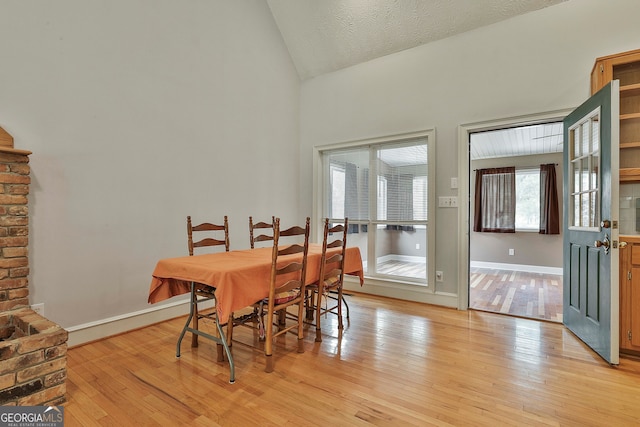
x=240, y=277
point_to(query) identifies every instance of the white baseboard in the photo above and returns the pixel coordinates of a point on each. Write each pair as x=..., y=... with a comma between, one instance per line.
x=516, y=267
x=403, y=291
x=82, y=334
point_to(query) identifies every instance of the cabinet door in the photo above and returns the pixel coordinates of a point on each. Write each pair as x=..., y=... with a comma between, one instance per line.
x=630, y=299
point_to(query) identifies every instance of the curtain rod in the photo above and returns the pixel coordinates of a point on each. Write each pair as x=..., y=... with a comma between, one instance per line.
x=521, y=167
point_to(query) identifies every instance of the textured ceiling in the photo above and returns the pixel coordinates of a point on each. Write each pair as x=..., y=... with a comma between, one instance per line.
x=327, y=35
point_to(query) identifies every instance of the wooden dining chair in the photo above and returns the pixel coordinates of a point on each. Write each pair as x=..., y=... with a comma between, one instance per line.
x=330, y=279
x=261, y=231
x=258, y=232
x=211, y=235
x=286, y=287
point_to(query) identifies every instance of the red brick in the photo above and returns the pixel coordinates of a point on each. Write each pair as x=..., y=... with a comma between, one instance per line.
x=17, y=189
x=13, y=304
x=22, y=362
x=42, y=340
x=38, y=371
x=45, y=397
x=8, y=221
x=13, y=158
x=10, y=178
x=55, y=352
x=8, y=349
x=8, y=199
x=8, y=242
x=13, y=283
x=15, y=210
x=18, y=231
x=19, y=272
x=13, y=262
x=18, y=293
x=7, y=380
x=14, y=252
x=21, y=168
x=55, y=378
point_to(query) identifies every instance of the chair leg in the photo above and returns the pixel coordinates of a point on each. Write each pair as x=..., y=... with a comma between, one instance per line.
x=318, y=315
x=340, y=326
x=308, y=304
x=268, y=345
x=301, y=326
x=230, y=330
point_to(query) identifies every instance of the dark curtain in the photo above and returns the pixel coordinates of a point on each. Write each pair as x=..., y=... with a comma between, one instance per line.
x=495, y=200
x=549, y=216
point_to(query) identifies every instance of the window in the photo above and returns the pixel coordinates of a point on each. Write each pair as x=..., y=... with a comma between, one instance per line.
x=509, y=199
x=389, y=221
x=528, y=199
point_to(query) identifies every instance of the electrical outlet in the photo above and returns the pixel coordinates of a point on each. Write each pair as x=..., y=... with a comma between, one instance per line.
x=512, y=252
x=447, y=202
x=439, y=276
x=38, y=308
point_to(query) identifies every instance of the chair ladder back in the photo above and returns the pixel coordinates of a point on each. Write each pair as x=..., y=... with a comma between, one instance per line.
x=207, y=241
x=335, y=260
x=260, y=225
x=295, y=286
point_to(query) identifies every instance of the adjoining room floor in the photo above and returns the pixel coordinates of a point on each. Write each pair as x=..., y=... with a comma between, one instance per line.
x=518, y=293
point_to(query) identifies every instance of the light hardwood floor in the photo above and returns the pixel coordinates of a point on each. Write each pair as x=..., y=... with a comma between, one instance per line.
x=397, y=363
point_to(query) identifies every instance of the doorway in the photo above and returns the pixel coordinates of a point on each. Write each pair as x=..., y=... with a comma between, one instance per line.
x=519, y=272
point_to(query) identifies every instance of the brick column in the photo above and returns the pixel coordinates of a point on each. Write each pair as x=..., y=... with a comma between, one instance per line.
x=33, y=350
x=14, y=229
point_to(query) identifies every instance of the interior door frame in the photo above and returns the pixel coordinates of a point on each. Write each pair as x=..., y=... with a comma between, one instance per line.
x=464, y=175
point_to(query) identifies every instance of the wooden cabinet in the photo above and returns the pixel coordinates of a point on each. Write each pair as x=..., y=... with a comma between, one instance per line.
x=625, y=67
x=630, y=295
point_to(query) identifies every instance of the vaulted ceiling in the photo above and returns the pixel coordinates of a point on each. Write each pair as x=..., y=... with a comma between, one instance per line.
x=327, y=35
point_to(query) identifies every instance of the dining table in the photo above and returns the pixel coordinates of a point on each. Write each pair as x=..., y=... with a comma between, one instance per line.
x=236, y=278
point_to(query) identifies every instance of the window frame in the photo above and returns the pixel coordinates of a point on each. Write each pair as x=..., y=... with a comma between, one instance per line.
x=394, y=283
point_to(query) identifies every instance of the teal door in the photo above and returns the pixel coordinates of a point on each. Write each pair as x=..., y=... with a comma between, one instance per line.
x=591, y=176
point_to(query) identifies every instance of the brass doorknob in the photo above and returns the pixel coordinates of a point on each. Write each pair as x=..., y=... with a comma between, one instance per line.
x=605, y=223
x=623, y=245
x=604, y=243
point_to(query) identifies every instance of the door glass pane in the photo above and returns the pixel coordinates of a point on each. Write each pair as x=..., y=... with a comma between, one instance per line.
x=585, y=137
x=595, y=135
x=585, y=169
x=400, y=250
x=594, y=209
x=576, y=176
x=595, y=167
x=346, y=192
x=584, y=175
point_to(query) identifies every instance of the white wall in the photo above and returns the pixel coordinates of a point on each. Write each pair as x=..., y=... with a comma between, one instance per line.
x=534, y=63
x=139, y=113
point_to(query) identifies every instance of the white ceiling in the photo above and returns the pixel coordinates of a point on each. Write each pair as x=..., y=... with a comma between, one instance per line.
x=327, y=35
x=518, y=141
